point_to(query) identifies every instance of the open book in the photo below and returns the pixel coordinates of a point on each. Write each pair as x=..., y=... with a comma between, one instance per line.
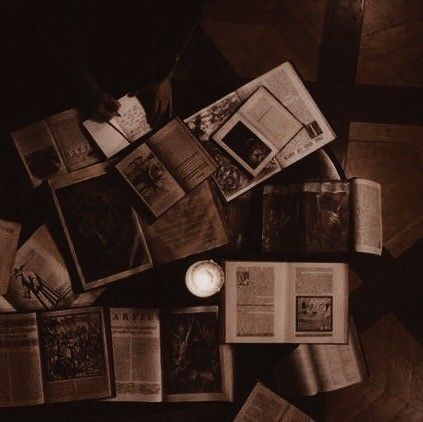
x=257, y=131
x=165, y=168
x=264, y=405
x=72, y=354
x=318, y=368
x=9, y=237
x=284, y=84
x=286, y=302
x=40, y=279
x=54, y=146
x=54, y=356
x=108, y=240
x=332, y=216
x=172, y=357
x=120, y=131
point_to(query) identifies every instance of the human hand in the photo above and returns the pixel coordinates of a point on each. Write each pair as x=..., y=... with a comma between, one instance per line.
x=158, y=101
x=103, y=105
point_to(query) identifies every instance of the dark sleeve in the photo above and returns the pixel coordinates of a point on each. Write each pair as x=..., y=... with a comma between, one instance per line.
x=172, y=24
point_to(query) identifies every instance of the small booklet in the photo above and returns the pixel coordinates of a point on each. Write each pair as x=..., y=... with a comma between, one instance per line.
x=286, y=302
x=120, y=131
x=165, y=168
x=317, y=368
x=264, y=405
x=40, y=279
x=257, y=131
x=109, y=241
x=54, y=356
x=172, y=357
x=9, y=237
x=333, y=216
x=54, y=146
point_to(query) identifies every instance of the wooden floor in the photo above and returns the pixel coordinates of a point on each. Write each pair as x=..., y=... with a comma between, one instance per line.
x=363, y=61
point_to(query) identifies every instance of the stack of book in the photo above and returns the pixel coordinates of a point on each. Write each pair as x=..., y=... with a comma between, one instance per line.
x=126, y=198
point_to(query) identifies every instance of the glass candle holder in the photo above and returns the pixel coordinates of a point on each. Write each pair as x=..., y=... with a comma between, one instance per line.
x=204, y=278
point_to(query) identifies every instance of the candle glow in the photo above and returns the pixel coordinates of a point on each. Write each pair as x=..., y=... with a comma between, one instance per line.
x=204, y=278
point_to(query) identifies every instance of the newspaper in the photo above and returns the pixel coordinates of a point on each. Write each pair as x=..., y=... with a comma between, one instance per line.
x=316, y=368
x=136, y=354
x=40, y=279
x=281, y=302
x=367, y=215
x=20, y=360
x=264, y=405
x=9, y=236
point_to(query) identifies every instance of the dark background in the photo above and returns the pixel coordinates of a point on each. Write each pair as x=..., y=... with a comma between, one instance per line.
x=362, y=62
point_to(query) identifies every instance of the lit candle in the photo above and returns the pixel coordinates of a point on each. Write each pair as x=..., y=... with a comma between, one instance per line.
x=204, y=278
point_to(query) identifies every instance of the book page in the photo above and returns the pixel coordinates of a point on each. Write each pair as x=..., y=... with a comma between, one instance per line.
x=136, y=354
x=270, y=117
x=108, y=137
x=9, y=237
x=181, y=154
x=264, y=405
x=20, y=367
x=192, y=226
x=74, y=355
x=367, y=215
x=38, y=151
x=74, y=147
x=231, y=178
x=253, y=305
x=150, y=180
x=316, y=303
x=40, y=279
x=133, y=119
x=295, y=374
x=284, y=83
x=195, y=367
x=339, y=365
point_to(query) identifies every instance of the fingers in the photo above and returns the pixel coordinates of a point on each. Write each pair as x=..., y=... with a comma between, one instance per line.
x=103, y=113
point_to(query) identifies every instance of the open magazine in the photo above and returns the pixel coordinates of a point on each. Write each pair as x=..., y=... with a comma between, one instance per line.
x=301, y=120
x=286, y=302
x=332, y=216
x=53, y=146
